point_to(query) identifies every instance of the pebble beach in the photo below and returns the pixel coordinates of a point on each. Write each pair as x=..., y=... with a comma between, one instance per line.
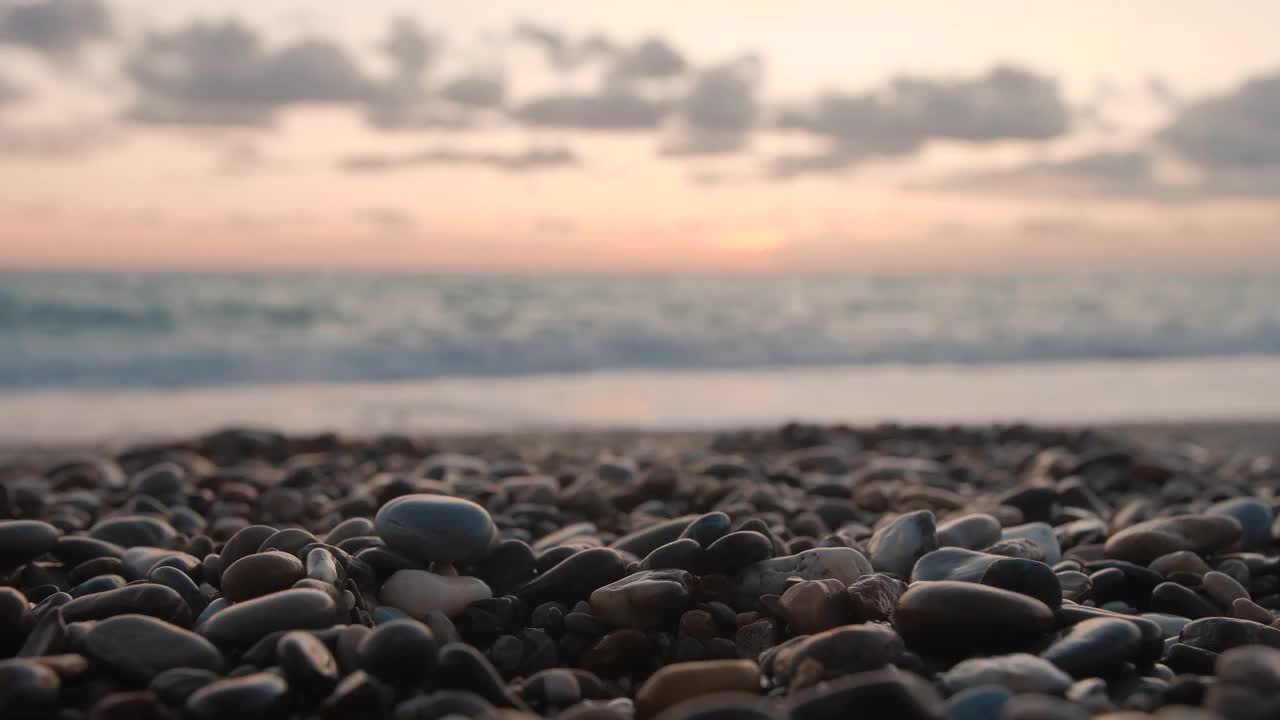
x=804, y=571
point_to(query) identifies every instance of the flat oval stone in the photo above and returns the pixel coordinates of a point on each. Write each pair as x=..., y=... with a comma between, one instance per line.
x=949, y=619
x=1148, y=540
x=895, y=547
x=650, y=538
x=1019, y=673
x=679, y=682
x=307, y=662
x=682, y=554
x=419, y=593
x=708, y=528
x=575, y=577
x=737, y=550
x=878, y=694
x=1174, y=599
x=1223, y=589
x=1255, y=518
x=75, y=549
x=22, y=541
x=259, y=574
x=840, y=651
x=436, y=528
x=1095, y=647
x=246, y=541
x=769, y=577
x=257, y=696
x=176, y=685
x=133, y=530
x=400, y=652
x=139, y=560
x=244, y=623
x=142, y=647
x=971, y=532
x=953, y=564
x=1220, y=633
x=27, y=689
x=151, y=599
x=647, y=599
x=1029, y=577
x=978, y=703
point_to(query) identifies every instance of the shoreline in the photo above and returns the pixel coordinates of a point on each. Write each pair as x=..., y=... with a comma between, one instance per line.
x=1218, y=392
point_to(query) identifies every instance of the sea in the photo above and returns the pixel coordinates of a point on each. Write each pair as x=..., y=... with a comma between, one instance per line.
x=110, y=354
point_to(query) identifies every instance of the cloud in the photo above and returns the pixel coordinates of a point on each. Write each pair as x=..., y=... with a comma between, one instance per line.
x=720, y=109
x=1235, y=131
x=9, y=92
x=221, y=74
x=411, y=48
x=610, y=109
x=482, y=89
x=1006, y=103
x=523, y=161
x=652, y=59
x=562, y=52
x=1117, y=173
x=55, y=28
x=54, y=142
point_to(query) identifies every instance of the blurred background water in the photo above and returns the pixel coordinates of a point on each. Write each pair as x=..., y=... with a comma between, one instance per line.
x=114, y=330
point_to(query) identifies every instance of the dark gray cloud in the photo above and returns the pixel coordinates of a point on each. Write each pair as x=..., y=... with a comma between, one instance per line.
x=222, y=74
x=481, y=89
x=609, y=109
x=1119, y=173
x=410, y=47
x=1007, y=103
x=524, y=161
x=1235, y=131
x=56, y=28
x=563, y=52
x=651, y=59
x=720, y=109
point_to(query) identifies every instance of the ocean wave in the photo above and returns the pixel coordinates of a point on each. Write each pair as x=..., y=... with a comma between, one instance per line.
x=173, y=330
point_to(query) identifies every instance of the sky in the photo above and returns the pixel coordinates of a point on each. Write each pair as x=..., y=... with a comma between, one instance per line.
x=570, y=135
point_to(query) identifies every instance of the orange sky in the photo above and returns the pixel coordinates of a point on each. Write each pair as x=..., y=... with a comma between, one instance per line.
x=150, y=197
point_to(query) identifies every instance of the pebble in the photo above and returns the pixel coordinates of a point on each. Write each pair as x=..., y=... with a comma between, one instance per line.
x=677, y=683
x=895, y=547
x=812, y=606
x=400, y=652
x=243, y=623
x=1042, y=535
x=419, y=593
x=971, y=532
x=649, y=598
x=1095, y=647
x=881, y=694
x=307, y=662
x=256, y=696
x=789, y=573
x=769, y=577
x=575, y=577
x=1223, y=589
x=142, y=647
x=22, y=541
x=1255, y=518
x=259, y=574
x=949, y=618
x=1018, y=673
x=436, y=528
x=1147, y=541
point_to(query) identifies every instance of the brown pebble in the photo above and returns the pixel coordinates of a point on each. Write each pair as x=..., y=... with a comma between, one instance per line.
x=683, y=681
x=1246, y=609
